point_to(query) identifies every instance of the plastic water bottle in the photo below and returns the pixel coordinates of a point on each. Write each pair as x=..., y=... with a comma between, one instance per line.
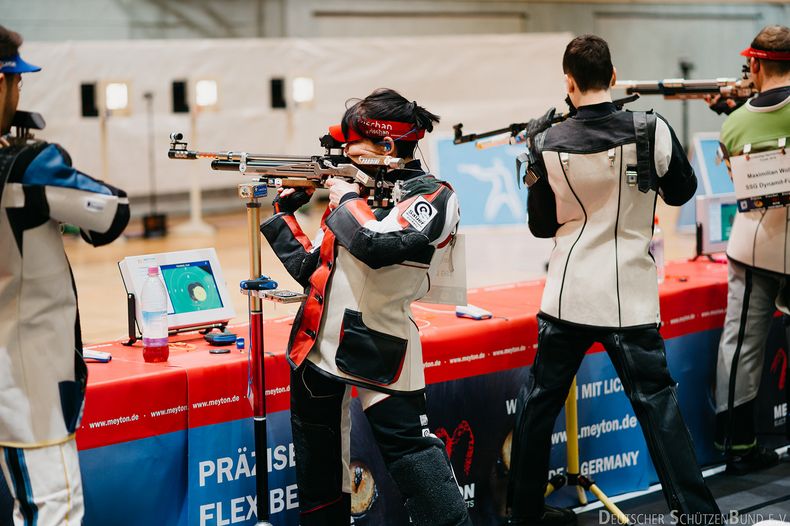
x=657, y=250
x=153, y=305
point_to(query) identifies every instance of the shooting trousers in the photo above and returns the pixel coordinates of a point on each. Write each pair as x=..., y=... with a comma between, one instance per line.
x=752, y=299
x=45, y=483
x=639, y=359
x=325, y=473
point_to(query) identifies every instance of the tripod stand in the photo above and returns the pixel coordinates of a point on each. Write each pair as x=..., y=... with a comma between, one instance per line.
x=573, y=477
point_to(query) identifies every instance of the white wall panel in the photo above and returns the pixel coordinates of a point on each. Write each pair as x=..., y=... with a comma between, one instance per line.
x=484, y=81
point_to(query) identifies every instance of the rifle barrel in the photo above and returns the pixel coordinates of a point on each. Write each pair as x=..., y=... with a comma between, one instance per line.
x=516, y=130
x=484, y=135
x=687, y=89
x=280, y=166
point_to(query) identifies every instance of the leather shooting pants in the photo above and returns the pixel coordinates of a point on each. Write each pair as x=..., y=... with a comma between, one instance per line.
x=638, y=357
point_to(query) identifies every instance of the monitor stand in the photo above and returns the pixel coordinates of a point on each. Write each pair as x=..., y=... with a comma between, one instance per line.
x=699, y=253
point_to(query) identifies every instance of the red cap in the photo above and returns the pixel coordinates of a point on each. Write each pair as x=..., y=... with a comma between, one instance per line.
x=372, y=129
x=766, y=55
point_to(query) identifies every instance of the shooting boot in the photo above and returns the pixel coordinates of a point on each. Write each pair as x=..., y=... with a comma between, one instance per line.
x=757, y=458
x=551, y=516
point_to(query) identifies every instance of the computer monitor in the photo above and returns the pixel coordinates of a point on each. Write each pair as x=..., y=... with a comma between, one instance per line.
x=712, y=173
x=715, y=215
x=196, y=291
x=712, y=176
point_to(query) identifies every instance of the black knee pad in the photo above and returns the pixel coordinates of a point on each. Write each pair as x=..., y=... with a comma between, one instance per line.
x=319, y=466
x=426, y=481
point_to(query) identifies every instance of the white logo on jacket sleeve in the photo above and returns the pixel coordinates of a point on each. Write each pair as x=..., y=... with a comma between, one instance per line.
x=420, y=213
x=94, y=204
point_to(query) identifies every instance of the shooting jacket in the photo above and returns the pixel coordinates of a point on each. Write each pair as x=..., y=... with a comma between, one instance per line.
x=42, y=374
x=760, y=238
x=361, y=275
x=595, y=180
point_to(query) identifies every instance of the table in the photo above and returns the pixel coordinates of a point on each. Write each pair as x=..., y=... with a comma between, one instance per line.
x=171, y=443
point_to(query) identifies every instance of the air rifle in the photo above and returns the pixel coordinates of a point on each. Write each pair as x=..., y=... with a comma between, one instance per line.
x=737, y=90
x=289, y=171
x=518, y=132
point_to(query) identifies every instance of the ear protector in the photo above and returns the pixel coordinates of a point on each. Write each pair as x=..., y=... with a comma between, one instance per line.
x=386, y=144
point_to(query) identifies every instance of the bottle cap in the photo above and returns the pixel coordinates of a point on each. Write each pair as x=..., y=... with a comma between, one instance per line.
x=153, y=271
x=240, y=344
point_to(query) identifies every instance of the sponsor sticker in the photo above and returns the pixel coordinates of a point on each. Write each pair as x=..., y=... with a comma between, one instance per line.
x=420, y=213
x=94, y=204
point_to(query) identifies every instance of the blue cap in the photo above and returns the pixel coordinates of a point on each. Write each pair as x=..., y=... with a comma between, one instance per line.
x=15, y=64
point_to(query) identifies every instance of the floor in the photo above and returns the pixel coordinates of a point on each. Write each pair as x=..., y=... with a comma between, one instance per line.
x=749, y=499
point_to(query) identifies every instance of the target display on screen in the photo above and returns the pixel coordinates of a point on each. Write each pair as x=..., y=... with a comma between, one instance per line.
x=197, y=295
x=191, y=287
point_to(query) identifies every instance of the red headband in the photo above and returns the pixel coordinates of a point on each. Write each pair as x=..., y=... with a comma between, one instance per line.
x=766, y=55
x=372, y=129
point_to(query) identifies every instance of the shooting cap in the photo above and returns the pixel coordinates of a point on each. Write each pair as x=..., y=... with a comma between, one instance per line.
x=15, y=64
x=377, y=129
x=765, y=55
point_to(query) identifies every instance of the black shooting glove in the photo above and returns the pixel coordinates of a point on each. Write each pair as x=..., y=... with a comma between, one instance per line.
x=722, y=106
x=535, y=126
x=291, y=203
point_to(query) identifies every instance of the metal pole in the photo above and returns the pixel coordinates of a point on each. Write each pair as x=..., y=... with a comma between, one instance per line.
x=572, y=443
x=149, y=105
x=685, y=70
x=103, y=114
x=195, y=226
x=256, y=350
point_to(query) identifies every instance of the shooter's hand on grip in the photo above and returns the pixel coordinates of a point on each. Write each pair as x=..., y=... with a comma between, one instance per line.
x=338, y=188
x=721, y=104
x=289, y=200
x=535, y=126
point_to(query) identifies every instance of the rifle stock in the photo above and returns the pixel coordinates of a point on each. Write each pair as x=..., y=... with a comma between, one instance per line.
x=292, y=171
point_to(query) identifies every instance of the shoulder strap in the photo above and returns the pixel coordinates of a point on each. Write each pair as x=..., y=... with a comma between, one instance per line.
x=645, y=130
x=527, y=158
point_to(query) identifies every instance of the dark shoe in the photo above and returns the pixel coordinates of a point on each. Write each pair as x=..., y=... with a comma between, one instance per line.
x=551, y=517
x=755, y=459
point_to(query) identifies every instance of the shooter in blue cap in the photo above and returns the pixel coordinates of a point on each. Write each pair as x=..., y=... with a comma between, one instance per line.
x=42, y=373
x=11, y=68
